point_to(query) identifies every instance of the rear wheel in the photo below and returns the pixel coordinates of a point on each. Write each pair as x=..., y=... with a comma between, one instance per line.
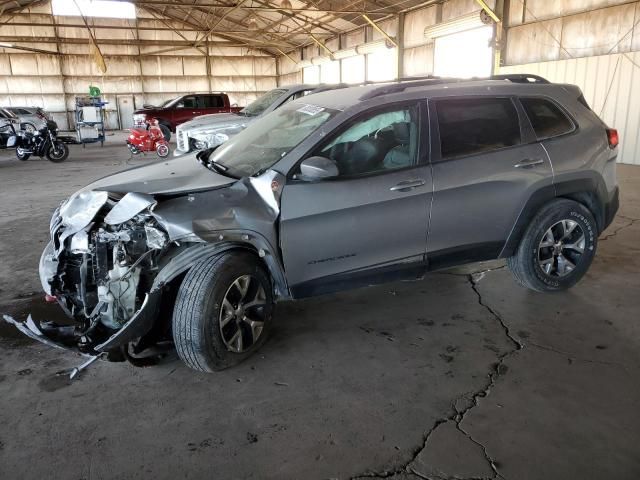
x=58, y=152
x=223, y=311
x=166, y=132
x=20, y=153
x=557, y=248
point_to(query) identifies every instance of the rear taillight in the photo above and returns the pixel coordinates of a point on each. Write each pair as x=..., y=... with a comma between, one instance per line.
x=612, y=136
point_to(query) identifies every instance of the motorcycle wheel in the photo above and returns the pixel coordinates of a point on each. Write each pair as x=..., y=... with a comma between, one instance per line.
x=21, y=155
x=57, y=153
x=162, y=150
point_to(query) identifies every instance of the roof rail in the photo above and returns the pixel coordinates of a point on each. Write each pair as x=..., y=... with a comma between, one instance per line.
x=401, y=84
x=336, y=86
x=520, y=78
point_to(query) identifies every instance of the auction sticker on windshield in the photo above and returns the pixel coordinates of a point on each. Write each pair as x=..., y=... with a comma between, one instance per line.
x=310, y=109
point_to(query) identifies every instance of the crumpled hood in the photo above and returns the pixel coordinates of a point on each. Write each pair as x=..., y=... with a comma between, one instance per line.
x=180, y=175
x=215, y=120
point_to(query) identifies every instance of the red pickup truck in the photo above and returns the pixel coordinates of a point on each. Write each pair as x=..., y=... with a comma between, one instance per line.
x=182, y=109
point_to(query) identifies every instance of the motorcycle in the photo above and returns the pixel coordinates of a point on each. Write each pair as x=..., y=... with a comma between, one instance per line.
x=42, y=143
x=147, y=140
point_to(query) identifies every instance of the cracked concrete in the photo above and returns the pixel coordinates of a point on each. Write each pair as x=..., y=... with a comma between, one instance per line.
x=464, y=375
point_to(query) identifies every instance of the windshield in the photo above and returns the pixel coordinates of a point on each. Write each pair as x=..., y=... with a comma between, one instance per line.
x=166, y=104
x=258, y=106
x=8, y=113
x=266, y=141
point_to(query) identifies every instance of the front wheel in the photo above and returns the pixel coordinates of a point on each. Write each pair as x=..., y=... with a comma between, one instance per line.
x=58, y=152
x=20, y=153
x=162, y=149
x=223, y=311
x=557, y=248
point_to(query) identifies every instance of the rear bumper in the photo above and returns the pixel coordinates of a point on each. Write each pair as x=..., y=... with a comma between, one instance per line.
x=611, y=207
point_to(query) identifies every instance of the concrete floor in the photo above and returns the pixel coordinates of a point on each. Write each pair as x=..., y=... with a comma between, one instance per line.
x=462, y=375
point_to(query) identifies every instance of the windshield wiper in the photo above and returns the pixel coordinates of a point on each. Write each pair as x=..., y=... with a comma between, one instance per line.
x=204, y=156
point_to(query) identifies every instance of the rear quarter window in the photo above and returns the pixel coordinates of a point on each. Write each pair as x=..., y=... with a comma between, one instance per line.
x=546, y=118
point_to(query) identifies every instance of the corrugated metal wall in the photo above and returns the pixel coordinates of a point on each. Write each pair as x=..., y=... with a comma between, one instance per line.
x=543, y=30
x=417, y=53
x=611, y=85
x=144, y=72
x=593, y=44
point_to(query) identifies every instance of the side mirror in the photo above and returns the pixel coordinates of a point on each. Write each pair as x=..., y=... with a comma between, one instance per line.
x=318, y=168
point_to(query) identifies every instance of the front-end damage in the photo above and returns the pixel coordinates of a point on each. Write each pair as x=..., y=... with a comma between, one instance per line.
x=104, y=253
x=113, y=258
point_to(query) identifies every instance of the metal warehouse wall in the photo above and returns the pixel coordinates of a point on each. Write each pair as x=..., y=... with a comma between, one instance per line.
x=416, y=51
x=146, y=73
x=611, y=86
x=593, y=44
x=546, y=30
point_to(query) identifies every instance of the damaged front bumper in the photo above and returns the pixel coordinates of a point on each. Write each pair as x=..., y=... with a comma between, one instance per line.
x=99, y=266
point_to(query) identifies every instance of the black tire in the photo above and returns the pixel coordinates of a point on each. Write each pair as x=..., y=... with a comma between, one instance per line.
x=57, y=153
x=22, y=156
x=526, y=263
x=163, y=150
x=166, y=131
x=28, y=127
x=197, y=314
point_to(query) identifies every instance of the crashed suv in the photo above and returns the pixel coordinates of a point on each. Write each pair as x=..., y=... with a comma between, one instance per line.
x=346, y=188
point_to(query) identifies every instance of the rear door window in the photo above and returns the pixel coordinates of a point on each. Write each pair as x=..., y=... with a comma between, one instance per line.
x=546, y=118
x=470, y=126
x=213, y=101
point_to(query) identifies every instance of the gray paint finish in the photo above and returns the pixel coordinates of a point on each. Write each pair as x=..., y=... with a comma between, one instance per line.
x=336, y=226
x=346, y=231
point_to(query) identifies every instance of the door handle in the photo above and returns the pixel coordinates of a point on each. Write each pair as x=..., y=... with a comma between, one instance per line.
x=529, y=162
x=407, y=185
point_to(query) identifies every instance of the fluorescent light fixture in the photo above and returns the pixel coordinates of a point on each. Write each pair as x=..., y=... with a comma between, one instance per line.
x=344, y=53
x=460, y=24
x=8, y=45
x=372, y=47
x=93, y=8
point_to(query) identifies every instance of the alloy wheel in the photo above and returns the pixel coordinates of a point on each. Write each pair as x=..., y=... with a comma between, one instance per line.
x=561, y=248
x=242, y=313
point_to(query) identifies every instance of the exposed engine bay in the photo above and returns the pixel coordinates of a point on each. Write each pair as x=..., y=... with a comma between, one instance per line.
x=120, y=247
x=101, y=262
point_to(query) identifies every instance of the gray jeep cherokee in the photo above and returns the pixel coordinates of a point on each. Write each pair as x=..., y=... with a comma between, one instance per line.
x=347, y=188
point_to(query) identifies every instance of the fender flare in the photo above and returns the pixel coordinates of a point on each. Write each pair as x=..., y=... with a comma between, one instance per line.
x=194, y=254
x=143, y=320
x=590, y=191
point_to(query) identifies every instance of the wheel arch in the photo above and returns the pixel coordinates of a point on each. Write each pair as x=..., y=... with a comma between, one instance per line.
x=187, y=258
x=589, y=191
x=166, y=123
